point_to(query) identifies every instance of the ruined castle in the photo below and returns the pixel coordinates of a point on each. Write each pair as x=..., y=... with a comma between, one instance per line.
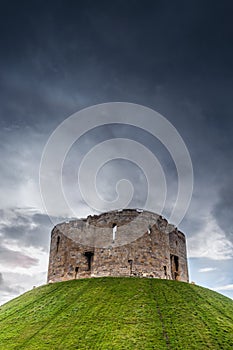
x=129, y=242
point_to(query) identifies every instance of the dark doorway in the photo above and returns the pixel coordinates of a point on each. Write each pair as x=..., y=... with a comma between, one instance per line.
x=89, y=256
x=174, y=267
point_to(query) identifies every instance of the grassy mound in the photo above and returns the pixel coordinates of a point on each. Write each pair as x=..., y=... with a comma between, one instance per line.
x=117, y=313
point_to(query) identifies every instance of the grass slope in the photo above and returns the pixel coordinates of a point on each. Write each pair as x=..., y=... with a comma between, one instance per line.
x=117, y=313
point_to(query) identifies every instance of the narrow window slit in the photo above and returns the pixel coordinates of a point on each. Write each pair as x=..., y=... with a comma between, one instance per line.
x=114, y=230
x=58, y=242
x=130, y=261
x=76, y=271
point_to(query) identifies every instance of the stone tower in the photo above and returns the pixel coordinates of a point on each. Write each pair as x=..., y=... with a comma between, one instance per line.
x=127, y=242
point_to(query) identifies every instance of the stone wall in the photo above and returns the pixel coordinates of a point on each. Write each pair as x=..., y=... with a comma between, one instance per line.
x=118, y=243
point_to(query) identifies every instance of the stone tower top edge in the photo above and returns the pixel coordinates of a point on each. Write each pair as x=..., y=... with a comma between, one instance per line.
x=165, y=226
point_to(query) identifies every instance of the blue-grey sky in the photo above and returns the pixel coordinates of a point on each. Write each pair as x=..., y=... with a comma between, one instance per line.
x=58, y=57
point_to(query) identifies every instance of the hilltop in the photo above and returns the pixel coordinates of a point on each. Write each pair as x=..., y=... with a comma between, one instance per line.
x=118, y=313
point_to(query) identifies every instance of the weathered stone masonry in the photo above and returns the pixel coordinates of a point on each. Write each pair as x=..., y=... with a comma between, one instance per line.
x=118, y=243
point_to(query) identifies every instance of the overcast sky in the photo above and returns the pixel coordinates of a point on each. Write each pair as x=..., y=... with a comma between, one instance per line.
x=59, y=57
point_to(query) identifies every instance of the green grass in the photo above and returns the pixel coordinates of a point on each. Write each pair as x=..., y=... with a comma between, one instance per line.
x=118, y=313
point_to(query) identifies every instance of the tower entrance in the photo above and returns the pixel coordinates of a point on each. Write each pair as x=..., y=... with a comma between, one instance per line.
x=89, y=257
x=174, y=267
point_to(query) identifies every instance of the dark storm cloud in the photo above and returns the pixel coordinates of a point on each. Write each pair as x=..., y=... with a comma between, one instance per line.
x=223, y=208
x=175, y=57
x=26, y=228
x=96, y=52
